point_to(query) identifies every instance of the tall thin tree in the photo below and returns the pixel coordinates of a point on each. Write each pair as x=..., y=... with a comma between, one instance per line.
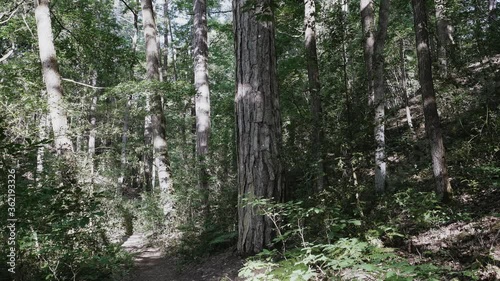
x=379, y=96
x=366, y=8
x=402, y=63
x=52, y=78
x=314, y=91
x=202, y=97
x=258, y=121
x=444, y=36
x=158, y=120
x=432, y=122
x=373, y=48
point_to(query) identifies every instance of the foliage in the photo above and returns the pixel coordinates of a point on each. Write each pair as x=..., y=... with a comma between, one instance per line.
x=342, y=258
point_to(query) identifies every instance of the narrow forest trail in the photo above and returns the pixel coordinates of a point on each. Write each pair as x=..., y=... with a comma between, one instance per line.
x=151, y=264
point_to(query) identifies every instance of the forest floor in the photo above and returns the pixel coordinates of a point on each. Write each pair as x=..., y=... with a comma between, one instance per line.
x=152, y=264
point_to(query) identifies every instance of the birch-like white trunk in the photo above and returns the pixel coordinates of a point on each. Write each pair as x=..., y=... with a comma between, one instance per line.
x=158, y=121
x=404, y=89
x=52, y=79
x=202, y=96
x=366, y=8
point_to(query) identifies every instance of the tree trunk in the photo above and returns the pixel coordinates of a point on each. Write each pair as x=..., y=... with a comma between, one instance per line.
x=258, y=122
x=403, y=85
x=202, y=98
x=444, y=36
x=174, y=51
x=314, y=91
x=432, y=122
x=368, y=44
x=158, y=121
x=379, y=102
x=165, y=39
x=92, y=133
x=148, y=150
x=42, y=135
x=123, y=158
x=492, y=7
x=50, y=71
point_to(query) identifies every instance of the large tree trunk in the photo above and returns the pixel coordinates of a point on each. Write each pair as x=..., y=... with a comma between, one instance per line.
x=379, y=101
x=368, y=44
x=50, y=70
x=158, y=121
x=314, y=91
x=202, y=98
x=258, y=122
x=432, y=122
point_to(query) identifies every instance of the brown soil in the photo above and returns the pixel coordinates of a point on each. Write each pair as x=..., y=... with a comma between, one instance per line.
x=153, y=265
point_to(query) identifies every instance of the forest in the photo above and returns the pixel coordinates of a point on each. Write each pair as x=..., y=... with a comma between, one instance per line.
x=259, y=140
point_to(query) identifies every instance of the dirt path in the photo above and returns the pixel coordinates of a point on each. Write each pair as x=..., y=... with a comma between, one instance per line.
x=152, y=265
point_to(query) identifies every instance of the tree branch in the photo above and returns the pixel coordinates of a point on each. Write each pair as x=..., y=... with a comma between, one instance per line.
x=10, y=16
x=12, y=12
x=6, y=56
x=82, y=84
x=128, y=7
x=133, y=12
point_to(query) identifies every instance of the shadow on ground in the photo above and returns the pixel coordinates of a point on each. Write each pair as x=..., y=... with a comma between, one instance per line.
x=152, y=265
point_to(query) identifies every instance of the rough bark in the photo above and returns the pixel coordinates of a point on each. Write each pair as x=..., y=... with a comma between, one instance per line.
x=314, y=91
x=52, y=78
x=432, y=122
x=158, y=121
x=379, y=101
x=202, y=97
x=258, y=121
x=368, y=44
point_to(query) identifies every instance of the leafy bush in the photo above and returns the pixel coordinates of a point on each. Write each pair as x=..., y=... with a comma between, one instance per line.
x=341, y=257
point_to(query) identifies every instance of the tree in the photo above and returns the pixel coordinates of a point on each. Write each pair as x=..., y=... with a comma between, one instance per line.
x=202, y=98
x=368, y=44
x=403, y=84
x=492, y=7
x=258, y=121
x=432, y=122
x=158, y=121
x=379, y=96
x=444, y=35
x=314, y=91
x=374, y=65
x=52, y=78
